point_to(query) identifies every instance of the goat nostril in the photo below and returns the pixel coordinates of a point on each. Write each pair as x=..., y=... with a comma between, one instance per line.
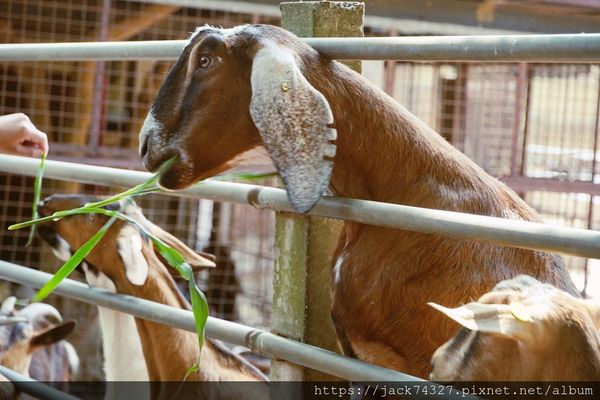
x=144, y=148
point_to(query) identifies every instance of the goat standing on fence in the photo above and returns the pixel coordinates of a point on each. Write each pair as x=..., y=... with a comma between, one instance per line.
x=126, y=259
x=523, y=330
x=233, y=90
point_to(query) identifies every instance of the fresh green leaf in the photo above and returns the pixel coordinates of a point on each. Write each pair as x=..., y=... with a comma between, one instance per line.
x=173, y=258
x=170, y=255
x=73, y=262
x=37, y=192
x=191, y=370
x=149, y=185
x=61, y=214
x=246, y=176
x=199, y=309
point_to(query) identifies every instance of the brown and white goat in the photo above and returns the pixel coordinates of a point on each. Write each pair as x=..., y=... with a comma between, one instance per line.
x=523, y=330
x=127, y=258
x=27, y=332
x=233, y=90
x=58, y=362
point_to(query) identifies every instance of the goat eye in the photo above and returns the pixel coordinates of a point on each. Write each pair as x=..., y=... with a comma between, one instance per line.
x=205, y=61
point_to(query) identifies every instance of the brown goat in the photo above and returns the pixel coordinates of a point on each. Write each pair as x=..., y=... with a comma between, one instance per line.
x=127, y=258
x=232, y=90
x=523, y=330
x=27, y=332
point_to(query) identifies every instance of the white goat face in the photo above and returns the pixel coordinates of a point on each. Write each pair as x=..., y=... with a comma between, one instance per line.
x=23, y=332
x=233, y=90
x=521, y=330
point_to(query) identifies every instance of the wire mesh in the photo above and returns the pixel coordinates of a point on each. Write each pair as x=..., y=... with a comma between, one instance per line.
x=540, y=124
x=536, y=121
x=92, y=113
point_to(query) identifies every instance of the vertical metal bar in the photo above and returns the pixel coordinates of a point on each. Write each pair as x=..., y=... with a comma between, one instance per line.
x=460, y=112
x=593, y=178
x=390, y=71
x=99, y=84
x=522, y=79
x=301, y=293
x=526, y=123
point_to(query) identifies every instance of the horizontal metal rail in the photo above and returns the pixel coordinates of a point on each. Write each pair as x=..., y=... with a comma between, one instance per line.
x=571, y=48
x=522, y=234
x=34, y=388
x=257, y=340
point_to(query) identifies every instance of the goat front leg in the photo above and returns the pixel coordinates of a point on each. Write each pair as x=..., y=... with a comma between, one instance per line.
x=379, y=354
x=372, y=350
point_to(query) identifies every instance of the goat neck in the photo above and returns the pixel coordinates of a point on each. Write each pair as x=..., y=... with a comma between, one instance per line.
x=386, y=153
x=168, y=351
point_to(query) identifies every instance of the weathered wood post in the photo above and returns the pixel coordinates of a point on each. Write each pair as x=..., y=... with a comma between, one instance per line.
x=301, y=297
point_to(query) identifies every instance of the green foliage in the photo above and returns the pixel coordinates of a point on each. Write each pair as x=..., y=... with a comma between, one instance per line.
x=37, y=192
x=172, y=256
x=73, y=262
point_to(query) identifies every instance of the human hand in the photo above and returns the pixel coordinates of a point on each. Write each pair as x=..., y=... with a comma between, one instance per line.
x=19, y=136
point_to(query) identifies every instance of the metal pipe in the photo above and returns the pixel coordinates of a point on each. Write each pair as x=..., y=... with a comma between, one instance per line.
x=257, y=340
x=32, y=387
x=572, y=48
x=100, y=85
x=522, y=234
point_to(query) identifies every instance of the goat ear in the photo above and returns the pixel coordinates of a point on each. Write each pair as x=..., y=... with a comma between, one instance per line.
x=8, y=305
x=130, y=245
x=506, y=320
x=52, y=334
x=292, y=118
x=197, y=260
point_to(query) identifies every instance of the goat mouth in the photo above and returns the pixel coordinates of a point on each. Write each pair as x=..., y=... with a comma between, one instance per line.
x=48, y=235
x=153, y=160
x=178, y=177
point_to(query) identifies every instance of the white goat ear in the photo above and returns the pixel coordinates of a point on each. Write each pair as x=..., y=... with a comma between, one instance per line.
x=197, y=260
x=507, y=320
x=292, y=118
x=8, y=305
x=130, y=244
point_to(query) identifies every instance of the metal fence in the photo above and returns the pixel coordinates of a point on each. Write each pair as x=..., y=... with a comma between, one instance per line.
x=37, y=389
x=90, y=111
x=445, y=77
x=535, y=126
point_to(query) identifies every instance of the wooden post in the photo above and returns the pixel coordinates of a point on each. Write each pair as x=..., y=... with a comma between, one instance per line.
x=302, y=293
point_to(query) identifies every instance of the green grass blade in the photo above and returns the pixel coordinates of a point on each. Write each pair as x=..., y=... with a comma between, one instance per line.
x=148, y=186
x=199, y=303
x=37, y=192
x=246, y=176
x=73, y=262
x=173, y=258
x=199, y=309
x=193, y=369
x=61, y=214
